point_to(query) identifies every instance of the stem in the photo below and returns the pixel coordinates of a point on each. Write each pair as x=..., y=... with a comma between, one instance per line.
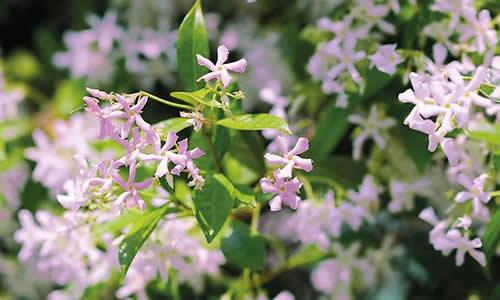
x=255, y=219
x=307, y=186
x=213, y=152
x=174, y=104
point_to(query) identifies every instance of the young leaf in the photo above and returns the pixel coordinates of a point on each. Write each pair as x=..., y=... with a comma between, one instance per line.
x=192, y=40
x=138, y=234
x=196, y=97
x=213, y=204
x=255, y=122
x=172, y=124
x=243, y=249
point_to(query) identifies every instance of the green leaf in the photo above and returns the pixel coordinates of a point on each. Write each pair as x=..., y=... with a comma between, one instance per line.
x=333, y=124
x=172, y=124
x=341, y=169
x=244, y=194
x=192, y=40
x=491, y=236
x=306, y=255
x=221, y=138
x=489, y=134
x=240, y=165
x=243, y=249
x=330, y=128
x=138, y=234
x=255, y=122
x=196, y=97
x=117, y=224
x=213, y=204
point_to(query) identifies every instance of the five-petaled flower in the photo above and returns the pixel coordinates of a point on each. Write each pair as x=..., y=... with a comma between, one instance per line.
x=220, y=69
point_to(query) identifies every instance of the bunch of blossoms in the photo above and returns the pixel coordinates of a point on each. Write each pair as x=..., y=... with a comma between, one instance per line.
x=282, y=184
x=122, y=122
x=335, y=60
x=54, y=151
x=93, y=53
x=449, y=98
x=335, y=276
x=318, y=222
x=462, y=29
x=63, y=248
x=180, y=251
x=350, y=271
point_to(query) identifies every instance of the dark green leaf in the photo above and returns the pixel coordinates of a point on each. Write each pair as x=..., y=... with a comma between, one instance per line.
x=255, y=122
x=138, y=234
x=243, y=249
x=491, y=236
x=192, y=40
x=333, y=124
x=240, y=165
x=213, y=204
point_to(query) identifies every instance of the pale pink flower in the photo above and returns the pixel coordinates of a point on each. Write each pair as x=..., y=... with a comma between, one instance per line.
x=475, y=192
x=371, y=127
x=386, y=59
x=220, y=70
x=290, y=159
x=285, y=191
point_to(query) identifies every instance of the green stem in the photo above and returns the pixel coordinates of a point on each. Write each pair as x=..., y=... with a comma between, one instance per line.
x=174, y=104
x=213, y=152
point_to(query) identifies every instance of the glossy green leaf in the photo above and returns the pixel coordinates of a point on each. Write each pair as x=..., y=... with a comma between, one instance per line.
x=491, y=237
x=172, y=124
x=116, y=225
x=138, y=234
x=240, y=165
x=196, y=97
x=243, y=249
x=489, y=134
x=192, y=40
x=332, y=124
x=213, y=204
x=255, y=122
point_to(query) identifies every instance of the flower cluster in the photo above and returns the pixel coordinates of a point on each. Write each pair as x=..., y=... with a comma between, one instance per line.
x=448, y=98
x=171, y=246
x=54, y=154
x=148, y=51
x=334, y=62
x=122, y=122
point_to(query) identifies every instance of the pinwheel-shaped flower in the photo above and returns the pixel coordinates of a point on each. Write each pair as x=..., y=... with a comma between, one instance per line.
x=220, y=70
x=290, y=159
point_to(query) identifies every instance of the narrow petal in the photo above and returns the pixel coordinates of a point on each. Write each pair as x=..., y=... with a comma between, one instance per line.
x=202, y=61
x=238, y=66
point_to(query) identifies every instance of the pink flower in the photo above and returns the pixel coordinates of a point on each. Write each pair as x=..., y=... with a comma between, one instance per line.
x=475, y=192
x=373, y=126
x=183, y=161
x=290, y=159
x=130, y=196
x=220, y=70
x=285, y=190
x=132, y=114
x=386, y=59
